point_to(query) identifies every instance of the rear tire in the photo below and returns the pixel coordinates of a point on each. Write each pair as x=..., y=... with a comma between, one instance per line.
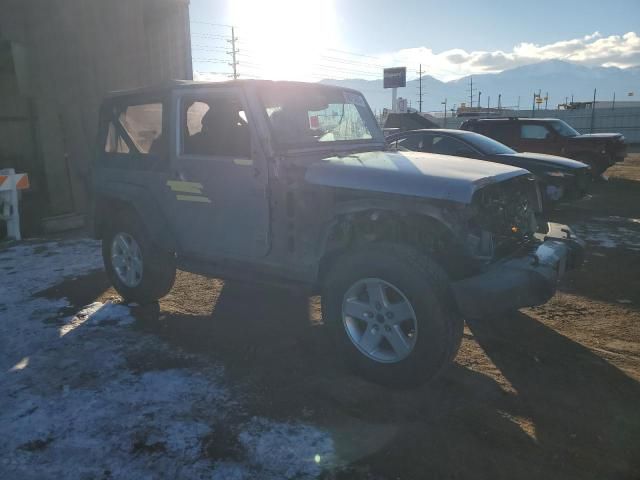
x=138, y=270
x=428, y=339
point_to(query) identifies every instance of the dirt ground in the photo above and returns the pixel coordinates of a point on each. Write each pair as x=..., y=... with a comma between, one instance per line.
x=548, y=392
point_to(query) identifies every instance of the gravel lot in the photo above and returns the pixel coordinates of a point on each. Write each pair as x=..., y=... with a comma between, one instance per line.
x=233, y=381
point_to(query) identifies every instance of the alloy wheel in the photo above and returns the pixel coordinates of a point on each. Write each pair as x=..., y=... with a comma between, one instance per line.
x=379, y=320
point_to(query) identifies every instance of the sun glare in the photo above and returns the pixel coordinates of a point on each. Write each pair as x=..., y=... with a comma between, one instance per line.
x=284, y=39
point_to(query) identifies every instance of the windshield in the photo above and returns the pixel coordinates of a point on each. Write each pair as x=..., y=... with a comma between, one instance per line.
x=563, y=129
x=487, y=145
x=305, y=115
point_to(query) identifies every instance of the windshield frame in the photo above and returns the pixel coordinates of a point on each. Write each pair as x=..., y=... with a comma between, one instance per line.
x=479, y=141
x=376, y=142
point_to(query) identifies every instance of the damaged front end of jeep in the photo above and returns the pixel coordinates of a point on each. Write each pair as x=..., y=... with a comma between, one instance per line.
x=518, y=258
x=503, y=217
x=480, y=221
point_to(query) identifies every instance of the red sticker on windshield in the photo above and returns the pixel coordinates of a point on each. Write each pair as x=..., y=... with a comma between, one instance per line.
x=314, y=122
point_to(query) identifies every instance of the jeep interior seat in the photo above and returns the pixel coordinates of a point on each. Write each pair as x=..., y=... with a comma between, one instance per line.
x=221, y=133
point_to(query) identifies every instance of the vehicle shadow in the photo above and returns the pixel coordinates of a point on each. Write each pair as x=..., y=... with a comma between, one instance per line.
x=569, y=414
x=584, y=409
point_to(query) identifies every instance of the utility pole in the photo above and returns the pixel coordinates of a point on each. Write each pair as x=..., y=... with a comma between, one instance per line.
x=533, y=105
x=499, y=102
x=518, y=102
x=420, y=87
x=593, y=110
x=479, y=95
x=613, y=104
x=546, y=100
x=488, y=102
x=471, y=91
x=445, y=113
x=234, y=51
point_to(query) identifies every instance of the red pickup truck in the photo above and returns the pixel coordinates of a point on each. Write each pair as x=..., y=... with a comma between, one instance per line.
x=555, y=137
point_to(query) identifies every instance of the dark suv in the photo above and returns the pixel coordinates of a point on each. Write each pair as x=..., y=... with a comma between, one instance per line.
x=291, y=184
x=555, y=137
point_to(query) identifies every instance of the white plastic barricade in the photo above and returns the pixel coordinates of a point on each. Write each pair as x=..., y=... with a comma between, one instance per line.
x=10, y=183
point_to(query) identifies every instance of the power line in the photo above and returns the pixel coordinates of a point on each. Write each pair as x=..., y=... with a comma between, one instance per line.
x=213, y=72
x=351, y=62
x=352, y=53
x=208, y=60
x=319, y=66
x=342, y=61
x=209, y=35
x=209, y=49
x=210, y=24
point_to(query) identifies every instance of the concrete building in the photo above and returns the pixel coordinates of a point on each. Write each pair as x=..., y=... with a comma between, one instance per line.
x=58, y=58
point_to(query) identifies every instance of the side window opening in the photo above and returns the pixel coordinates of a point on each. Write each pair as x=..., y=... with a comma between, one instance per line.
x=501, y=131
x=215, y=126
x=450, y=146
x=194, y=114
x=135, y=128
x=533, y=131
x=410, y=143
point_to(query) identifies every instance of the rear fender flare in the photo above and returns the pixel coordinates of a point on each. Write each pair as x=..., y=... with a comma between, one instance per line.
x=112, y=198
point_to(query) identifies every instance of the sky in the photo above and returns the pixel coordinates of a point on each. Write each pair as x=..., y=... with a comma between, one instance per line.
x=311, y=40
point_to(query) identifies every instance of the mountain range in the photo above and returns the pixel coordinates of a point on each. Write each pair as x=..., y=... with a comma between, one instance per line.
x=560, y=79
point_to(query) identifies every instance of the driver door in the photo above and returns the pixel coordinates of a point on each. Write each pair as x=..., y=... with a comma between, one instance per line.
x=218, y=190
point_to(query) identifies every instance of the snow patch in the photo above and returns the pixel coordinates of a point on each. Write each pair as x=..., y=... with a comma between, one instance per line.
x=26, y=269
x=72, y=406
x=98, y=313
x=287, y=449
x=618, y=219
x=279, y=450
x=608, y=233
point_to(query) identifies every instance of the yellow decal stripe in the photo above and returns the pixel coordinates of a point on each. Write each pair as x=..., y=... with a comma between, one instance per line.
x=185, y=187
x=243, y=161
x=192, y=198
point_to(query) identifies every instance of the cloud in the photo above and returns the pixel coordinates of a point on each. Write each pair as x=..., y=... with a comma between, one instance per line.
x=327, y=59
x=591, y=50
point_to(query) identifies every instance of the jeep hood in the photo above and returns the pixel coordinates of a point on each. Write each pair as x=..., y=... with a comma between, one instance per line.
x=439, y=177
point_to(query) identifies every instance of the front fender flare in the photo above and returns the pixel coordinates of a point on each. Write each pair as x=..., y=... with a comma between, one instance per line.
x=437, y=213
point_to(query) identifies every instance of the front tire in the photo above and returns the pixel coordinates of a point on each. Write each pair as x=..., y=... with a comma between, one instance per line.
x=598, y=164
x=138, y=270
x=391, y=314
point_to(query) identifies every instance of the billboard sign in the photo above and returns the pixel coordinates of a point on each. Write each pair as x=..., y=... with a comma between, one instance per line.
x=395, y=77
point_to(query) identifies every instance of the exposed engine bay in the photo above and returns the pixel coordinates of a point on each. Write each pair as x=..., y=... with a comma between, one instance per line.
x=504, y=217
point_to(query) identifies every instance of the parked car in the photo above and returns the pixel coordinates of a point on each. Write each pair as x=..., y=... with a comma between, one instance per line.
x=290, y=184
x=555, y=137
x=559, y=178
